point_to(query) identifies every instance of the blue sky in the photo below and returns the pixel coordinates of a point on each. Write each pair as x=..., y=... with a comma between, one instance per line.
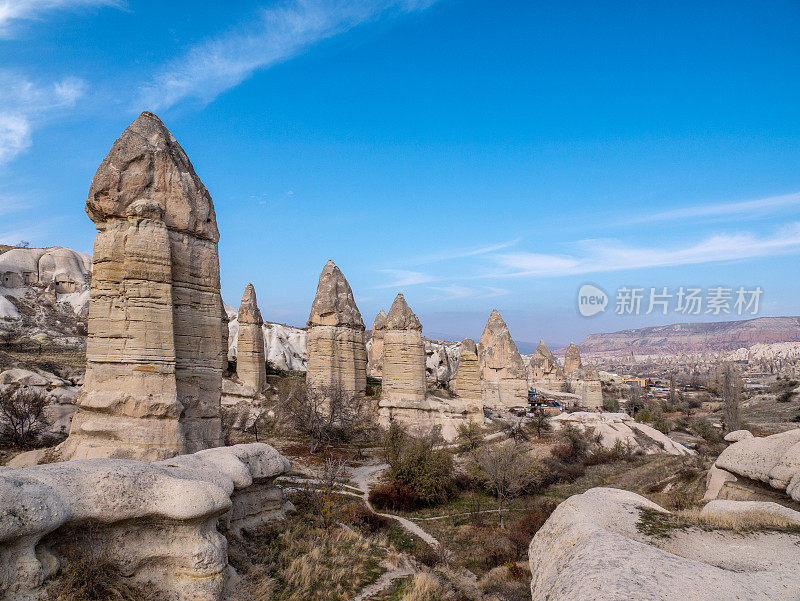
x=471, y=154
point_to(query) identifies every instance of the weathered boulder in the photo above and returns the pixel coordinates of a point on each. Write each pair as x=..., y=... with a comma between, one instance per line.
x=157, y=337
x=590, y=548
x=503, y=373
x=250, y=360
x=161, y=524
x=375, y=346
x=621, y=427
x=337, y=356
x=738, y=435
x=769, y=460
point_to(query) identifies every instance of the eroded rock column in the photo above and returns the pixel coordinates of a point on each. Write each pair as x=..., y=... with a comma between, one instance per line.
x=503, y=376
x=157, y=340
x=250, y=360
x=375, y=346
x=337, y=356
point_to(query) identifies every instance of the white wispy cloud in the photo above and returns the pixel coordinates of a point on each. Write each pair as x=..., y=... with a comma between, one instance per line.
x=596, y=256
x=455, y=291
x=12, y=11
x=724, y=209
x=274, y=35
x=25, y=104
x=404, y=277
x=462, y=253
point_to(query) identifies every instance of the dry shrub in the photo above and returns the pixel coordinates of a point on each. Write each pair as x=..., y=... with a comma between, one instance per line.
x=89, y=578
x=393, y=496
x=365, y=521
x=500, y=584
x=741, y=522
x=427, y=587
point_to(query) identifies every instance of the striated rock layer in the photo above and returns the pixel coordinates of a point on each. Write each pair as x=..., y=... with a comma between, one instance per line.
x=250, y=361
x=337, y=356
x=404, y=393
x=467, y=382
x=157, y=340
x=404, y=377
x=503, y=374
x=161, y=524
x=590, y=548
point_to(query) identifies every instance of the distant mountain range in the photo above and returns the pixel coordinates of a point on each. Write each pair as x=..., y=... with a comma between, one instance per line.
x=693, y=337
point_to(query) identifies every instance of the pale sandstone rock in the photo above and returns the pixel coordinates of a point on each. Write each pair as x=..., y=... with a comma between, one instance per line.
x=572, y=359
x=160, y=523
x=590, y=548
x=773, y=460
x=404, y=391
x=337, y=356
x=738, y=435
x=157, y=336
x=250, y=360
x=503, y=374
x=375, y=346
x=467, y=383
x=544, y=371
x=757, y=509
x=403, y=355
x=613, y=427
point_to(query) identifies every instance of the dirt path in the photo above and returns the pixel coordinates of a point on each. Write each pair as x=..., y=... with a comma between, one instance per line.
x=385, y=581
x=363, y=476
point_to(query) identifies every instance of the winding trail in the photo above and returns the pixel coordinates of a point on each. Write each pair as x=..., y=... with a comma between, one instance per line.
x=363, y=476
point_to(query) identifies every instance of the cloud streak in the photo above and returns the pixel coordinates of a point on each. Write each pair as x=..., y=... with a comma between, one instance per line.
x=597, y=256
x=725, y=209
x=25, y=104
x=275, y=35
x=12, y=11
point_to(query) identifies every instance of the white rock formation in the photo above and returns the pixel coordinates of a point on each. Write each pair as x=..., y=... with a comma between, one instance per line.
x=284, y=346
x=613, y=427
x=590, y=548
x=337, y=357
x=738, y=435
x=156, y=346
x=503, y=374
x=770, y=460
x=161, y=524
x=251, y=362
x=544, y=370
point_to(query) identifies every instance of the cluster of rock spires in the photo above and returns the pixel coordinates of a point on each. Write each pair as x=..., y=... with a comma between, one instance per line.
x=502, y=370
x=580, y=382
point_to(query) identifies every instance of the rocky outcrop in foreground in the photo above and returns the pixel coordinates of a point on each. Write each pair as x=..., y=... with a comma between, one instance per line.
x=591, y=548
x=161, y=524
x=757, y=467
x=613, y=428
x=157, y=341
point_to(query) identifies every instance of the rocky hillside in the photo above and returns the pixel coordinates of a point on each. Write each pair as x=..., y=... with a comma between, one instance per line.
x=693, y=337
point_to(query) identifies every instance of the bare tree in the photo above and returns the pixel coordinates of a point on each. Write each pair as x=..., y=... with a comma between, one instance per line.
x=327, y=415
x=22, y=414
x=540, y=422
x=730, y=399
x=324, y=494
x=506, y=470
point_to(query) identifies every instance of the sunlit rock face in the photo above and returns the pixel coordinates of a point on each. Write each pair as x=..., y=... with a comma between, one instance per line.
x=250, y=360
x=337, y=356
x=157, y=340
x=403, y=354
x=503, y=375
